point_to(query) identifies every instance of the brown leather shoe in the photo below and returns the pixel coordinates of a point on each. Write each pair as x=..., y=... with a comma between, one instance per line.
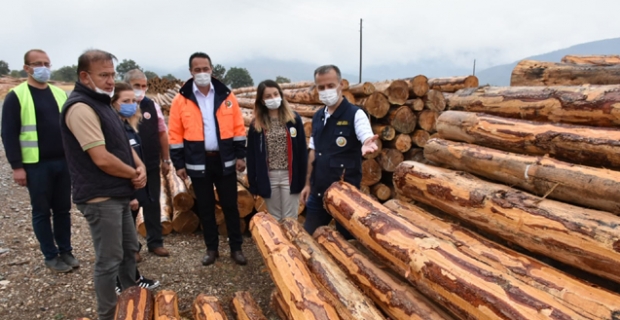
x=210, y=258
x=239, y=258
x=138, y=257
x=160, y=251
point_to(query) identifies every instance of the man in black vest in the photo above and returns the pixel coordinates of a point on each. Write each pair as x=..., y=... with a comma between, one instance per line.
x=341, y=135
x=154, y=136
x=104, y=173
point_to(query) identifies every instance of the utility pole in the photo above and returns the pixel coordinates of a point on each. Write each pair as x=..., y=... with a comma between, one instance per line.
x=474, y=67
x=360, y=50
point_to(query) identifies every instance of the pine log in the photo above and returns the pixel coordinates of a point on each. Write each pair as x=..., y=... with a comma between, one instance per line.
x=301, y=208
x=349, y=301
x=397, y=299
x=223, y=231
x=134, y=303
x=362, y=89
x=385, y=132
x=413, y=154
x=389, y=159
x=307, y=126
x=344, y=84
x=245, y=307
x=584, y=238
x=402, y=119
x=584, y=105
x=365, y=189
x=349, y=96
x=296, y=85
x=381, y=191
x=140, y=226
x=219, y=215
x=453, y=84
x=303, y=295
x=456, y=280
x=304, y=110
x=598, y=60
x=166, y=208
x=420, y=138
x=434, y=101
x=371, y=172
x=376, y=105
x=402, y=142
x=581, y=185
x=538, y=73
x=245, y=201
x=247, y=115
x=375, y=153
x=181, y=199
x=396, y=91
x=185, y=221
x=207, y=308
x=418, y=86
x=581, y=297
x=309, y=95
x=427, y=120
x=189, y=186
x=260, y=205
x=277, y=303
x=416, y=104
x=576, y=144
x=166, y=306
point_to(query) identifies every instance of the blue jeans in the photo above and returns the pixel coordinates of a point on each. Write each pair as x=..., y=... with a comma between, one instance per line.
x=317, y=216
x=49, y=185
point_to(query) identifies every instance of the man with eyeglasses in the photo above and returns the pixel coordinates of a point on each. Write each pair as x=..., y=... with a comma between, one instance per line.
x=31, y=138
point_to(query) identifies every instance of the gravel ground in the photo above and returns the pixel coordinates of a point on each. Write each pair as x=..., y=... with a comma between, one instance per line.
x=28, y=290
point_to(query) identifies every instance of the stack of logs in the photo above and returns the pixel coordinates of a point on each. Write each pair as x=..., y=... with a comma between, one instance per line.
x=165, y=97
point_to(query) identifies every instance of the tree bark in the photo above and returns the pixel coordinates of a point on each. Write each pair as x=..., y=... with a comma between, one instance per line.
x=538, y=73
x=302, y=294
x=181, y=199
x=581, y=185
x=309, y=95
x=362, y=89
x=185, y=221
x=381, y=191
x=583, y=238
x=598, y=60
x=397, y=299
x=435, y=101
x=385, y=132
x=418, y=86
x=377, y=105
x=277, y=303
x=371, y=172
x=166, y=306
x=402, y=119
x=584, y=105
x=581, y=297
x=389, y=159
x=207, y=308
x=134, y=303
x=245, y=307
x=349, y=301
x=376, y=153
x=416, y=104
x=350, y=97
x=397, y=91
x=402, y=142
x=576, y=144
x=453, y=84
x=420, y=138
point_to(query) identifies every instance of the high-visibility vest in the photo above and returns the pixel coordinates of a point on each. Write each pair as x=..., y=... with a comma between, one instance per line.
x=28, y=138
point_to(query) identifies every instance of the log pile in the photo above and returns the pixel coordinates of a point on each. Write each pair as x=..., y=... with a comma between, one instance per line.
x=165, y=94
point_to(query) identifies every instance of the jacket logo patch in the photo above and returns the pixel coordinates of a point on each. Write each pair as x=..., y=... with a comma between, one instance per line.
x=341, y=141
x=342, y=123
x=293, y=132
x=228, y=103
x=147, y=115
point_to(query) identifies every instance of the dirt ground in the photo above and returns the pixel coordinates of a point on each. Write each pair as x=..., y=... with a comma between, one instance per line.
x=28, y=290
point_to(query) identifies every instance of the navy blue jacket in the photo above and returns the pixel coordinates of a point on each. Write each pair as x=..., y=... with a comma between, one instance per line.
x=135, y=141
x=257, y=162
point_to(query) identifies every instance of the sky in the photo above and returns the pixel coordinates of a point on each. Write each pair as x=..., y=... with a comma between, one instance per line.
x=163, y=34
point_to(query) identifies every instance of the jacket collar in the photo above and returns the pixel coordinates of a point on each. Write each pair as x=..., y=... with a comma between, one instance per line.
x=187, y=90
x=101, y=97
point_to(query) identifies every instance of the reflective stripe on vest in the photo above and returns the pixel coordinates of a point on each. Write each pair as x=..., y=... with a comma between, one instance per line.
x=28, y=137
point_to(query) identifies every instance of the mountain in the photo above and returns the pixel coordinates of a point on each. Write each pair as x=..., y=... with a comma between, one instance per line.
x=500, y=75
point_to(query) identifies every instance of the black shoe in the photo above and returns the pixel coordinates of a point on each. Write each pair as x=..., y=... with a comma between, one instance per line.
x=69, y=259
x=210, y=258
x=147, y=283
x=239, y=258
x=58, y=265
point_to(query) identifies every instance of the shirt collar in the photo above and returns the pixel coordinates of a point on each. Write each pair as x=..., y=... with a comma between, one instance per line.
x=197, y=91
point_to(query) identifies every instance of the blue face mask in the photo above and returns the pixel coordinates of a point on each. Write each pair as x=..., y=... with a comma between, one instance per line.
x=41, y=74
x=128, y=109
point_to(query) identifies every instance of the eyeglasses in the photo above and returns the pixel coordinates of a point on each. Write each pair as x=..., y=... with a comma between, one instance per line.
x=40, y=64
x=104, y=75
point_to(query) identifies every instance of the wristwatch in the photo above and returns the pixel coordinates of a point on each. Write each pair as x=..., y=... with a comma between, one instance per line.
x=168, y=161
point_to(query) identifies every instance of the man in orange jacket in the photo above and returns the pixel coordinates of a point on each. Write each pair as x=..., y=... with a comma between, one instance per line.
x=207, y=143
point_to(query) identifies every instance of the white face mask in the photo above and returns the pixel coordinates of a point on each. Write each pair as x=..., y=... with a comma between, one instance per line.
x=329, y=97
x=109, y=93
x=139, y=93
x=202, y=79
x=274, y=103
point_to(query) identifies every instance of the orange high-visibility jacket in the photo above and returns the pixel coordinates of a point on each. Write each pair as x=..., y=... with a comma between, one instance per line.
x=186, y=130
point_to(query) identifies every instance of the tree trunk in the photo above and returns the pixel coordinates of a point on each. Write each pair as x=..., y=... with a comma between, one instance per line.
x=350, y=97
x=166, y=306
x=166, y=209
x=402, y=142
x=397, y=299
x=427, y=120
x=260, y=205
x=385, y=132
x=586, y=239
x=185, y=221
x=538, y=73
x=140, y=226
x=598, y=60
x=304, y=110
x=389, y=159
x=247, y=115
x=307, y=126
x=181, y=199
x=349, y=301
x=134, y=303
x=396, y=91
x=418, y=86
x=309, y=95
x=413, y=153
x=381, y=191
x=435, y=101
x=245, y=307
x=437, y=268
x=371, y=172
x=277, y=303
x=588, y=301
x=375, y=153
x=584, y=105
x=453, y=84
x=245, y=201
x=362, y=89
x=420, y=137
x=377, y=105
x=576, y=144
x=301, y=293
x=207, y=308
x=402, y=119
x=416, y=104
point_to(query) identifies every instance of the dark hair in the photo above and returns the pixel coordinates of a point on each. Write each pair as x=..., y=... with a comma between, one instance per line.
x=93, y=55
x=26, y=62
x=261, y=112
x=120, y=87
x=327, y=68
x=199, y=55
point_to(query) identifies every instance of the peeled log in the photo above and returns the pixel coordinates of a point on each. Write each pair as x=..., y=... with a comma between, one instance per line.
x=166, y=210
x=247, y=115
x=402, y=119
x=362, y=89
x=245, y=201
x=598, y=60
x=260, y=205
x=397, y=91
x=371, y=172
x=437, y=268
x=207, y=308
x=349, y=96
x=181, y=199
x=397, y=299
x=435, y=101
x=140, y=226
x=598, y=147
x=185, y=221
x=309, y=95
x=245, y=307
x=375, y=153
x=581, y=297
x=389, y=159
x=427, y=120
x=300, y=292
x=416, y=104
x=385, y=132
x=402, y=142
x=583, y=238
x=166, y=306
x=584, y=105
x=420, y=138
x=134, y=303
x=381, y=191
x=353, y=303
x=418, y=86
x=277, y=303
x=304, y=110
x=377, y=105
x=538, y=73
x=453, y=84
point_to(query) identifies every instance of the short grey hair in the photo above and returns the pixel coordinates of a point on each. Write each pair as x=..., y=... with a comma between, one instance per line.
x=133, y=75
x=327, y=68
